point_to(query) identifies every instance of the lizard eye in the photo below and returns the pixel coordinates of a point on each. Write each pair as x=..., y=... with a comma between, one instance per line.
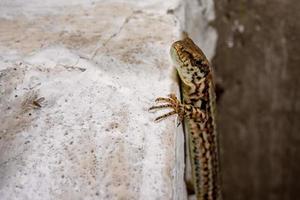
x=198, y=62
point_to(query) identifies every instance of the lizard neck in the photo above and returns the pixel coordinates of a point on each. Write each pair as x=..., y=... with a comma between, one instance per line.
x=193, y=93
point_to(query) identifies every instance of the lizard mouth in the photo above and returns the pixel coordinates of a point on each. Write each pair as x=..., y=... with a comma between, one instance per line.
x=174, y=55
x=178, y=64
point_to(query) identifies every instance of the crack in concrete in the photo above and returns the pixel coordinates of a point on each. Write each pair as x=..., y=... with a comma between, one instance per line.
x=14, y=158
x=127, y=19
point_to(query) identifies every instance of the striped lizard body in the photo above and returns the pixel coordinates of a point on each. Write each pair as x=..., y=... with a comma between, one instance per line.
x=198, y=113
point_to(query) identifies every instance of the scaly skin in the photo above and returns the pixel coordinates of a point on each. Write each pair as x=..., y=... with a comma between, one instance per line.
x=198, y=113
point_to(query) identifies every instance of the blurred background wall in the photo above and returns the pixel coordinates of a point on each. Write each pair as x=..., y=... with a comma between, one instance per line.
x=257, y=63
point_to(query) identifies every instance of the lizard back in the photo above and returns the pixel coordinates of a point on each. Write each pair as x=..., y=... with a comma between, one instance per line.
x=199, y=93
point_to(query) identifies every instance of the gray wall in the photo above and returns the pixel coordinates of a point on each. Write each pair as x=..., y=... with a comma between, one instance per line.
x=257, y=63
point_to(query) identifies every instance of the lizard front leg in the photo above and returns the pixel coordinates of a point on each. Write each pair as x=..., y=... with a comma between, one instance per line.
x=182, y=110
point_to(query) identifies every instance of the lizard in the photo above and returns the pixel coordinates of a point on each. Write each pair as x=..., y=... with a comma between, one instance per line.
x=197, y=112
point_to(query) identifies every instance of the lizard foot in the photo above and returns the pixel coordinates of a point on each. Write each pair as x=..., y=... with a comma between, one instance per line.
x=173, y=103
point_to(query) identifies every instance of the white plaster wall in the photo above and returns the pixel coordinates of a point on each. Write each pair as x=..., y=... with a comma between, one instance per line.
x=198, y=16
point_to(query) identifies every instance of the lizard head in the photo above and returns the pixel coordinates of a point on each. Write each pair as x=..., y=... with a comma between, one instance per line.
x=190, y=61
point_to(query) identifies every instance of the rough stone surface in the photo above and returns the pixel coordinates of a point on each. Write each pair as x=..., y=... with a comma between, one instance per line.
x=257, y=61
x=98, y=65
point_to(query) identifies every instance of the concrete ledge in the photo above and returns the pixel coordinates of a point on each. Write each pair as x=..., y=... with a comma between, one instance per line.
x=76, y=81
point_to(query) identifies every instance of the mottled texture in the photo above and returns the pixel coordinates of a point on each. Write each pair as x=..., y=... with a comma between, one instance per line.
x=257, y=61
x=198, y=92
x=197, y=110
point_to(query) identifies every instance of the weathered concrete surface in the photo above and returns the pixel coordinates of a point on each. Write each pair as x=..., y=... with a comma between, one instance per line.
x=99, y=65
x=199, y=14
x=257, y=61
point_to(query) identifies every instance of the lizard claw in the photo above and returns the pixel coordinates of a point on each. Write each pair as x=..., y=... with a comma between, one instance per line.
x=178, y=122
x=173, y=103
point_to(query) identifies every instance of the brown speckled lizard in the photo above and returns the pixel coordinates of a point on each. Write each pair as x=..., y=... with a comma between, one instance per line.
x=198, y=113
